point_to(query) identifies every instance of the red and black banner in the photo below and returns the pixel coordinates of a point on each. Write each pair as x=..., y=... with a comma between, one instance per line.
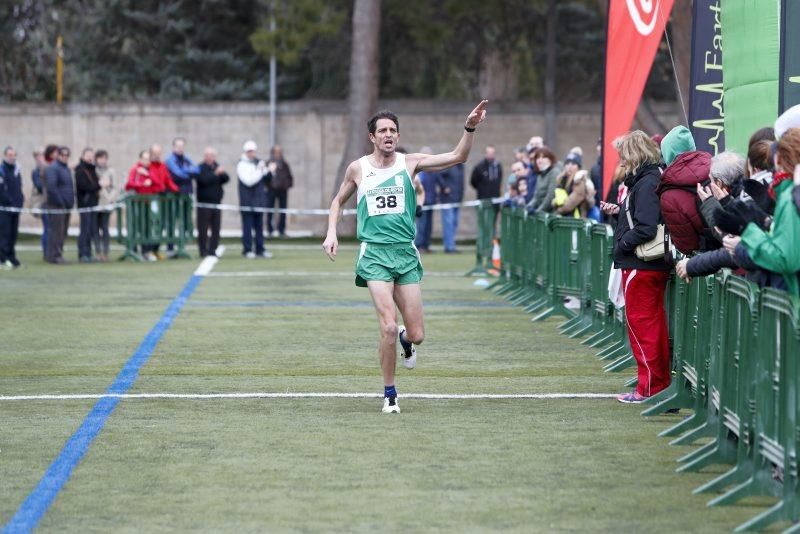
x=706, y=112
x=789, y=86
x=635, y=28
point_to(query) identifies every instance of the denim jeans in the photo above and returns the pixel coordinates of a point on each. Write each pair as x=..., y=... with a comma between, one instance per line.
x=449, y=228
x=424, y=228
x=252, y=226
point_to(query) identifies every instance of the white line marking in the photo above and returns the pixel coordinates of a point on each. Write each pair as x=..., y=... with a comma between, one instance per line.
x=244, y=274
x=310, y=395
x=209, y=262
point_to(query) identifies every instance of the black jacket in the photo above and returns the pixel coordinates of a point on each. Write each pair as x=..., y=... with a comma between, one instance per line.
x=487, y=178
x=10, y=185
x=87, y=185
x=209, y=184
x=281, y=179
x=710, y=262
x=646, y=214
x=58, y=183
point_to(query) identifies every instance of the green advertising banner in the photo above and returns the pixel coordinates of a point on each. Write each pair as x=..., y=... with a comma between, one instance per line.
x=750, y=61
x=790, y=55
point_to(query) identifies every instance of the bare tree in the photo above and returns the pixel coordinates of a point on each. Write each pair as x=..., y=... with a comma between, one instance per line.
x=681, y=41
x=363, y=93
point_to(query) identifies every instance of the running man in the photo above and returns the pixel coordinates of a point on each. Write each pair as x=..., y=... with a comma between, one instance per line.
x=388, y=263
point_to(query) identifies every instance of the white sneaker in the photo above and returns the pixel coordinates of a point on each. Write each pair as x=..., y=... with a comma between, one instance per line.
x=266, y=254
x=150, y=257
x=250, y=255
x=390, y=408
x=409, y=350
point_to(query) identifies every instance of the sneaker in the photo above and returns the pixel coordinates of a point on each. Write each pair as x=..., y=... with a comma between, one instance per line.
x=86, y=259
x=266, y=254
x=250, y=255
x=150, y=257
x=409, y=351
x=7, y=265
x=632, y=398
x=390, y=405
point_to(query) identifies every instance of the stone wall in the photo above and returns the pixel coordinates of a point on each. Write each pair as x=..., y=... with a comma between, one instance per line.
x=312, y=134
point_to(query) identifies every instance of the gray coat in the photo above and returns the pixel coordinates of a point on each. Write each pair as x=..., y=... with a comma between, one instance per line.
x=58, y=184
x=545, y=189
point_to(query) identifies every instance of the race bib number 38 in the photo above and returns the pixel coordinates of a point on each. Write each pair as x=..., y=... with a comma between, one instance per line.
x=385, y=200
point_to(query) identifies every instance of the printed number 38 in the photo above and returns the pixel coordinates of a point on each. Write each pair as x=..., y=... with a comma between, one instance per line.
x=386, y=202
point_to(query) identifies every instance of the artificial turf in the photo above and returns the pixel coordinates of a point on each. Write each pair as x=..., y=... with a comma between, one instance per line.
x=296, y=323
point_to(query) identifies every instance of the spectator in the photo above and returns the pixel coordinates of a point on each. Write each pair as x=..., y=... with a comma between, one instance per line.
x=210, y=179
x=159, y=173
x=644, y=282
x=597, y=173
x=548, y=170
x=87, y=187
x=38, y=200
x=533, y=143
x=60, y=196
x=521, y=155
x=425, y=221
x=580, y=195
x=139, y=180
x=450, y=183
x=686, y=167
x=11, y=196
x=778, y=250
x=724, y=185
x=487, y=176
x=517, y=193
x=533, y=175
x=109, y=195
x=564, y=185
x=252, y=174
x=278, y=185
x=50, y=153
x=181, y=169
x=518, y=170
x=612, y=197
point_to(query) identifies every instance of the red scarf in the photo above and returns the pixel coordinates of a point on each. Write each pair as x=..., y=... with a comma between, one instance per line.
x=776, y=181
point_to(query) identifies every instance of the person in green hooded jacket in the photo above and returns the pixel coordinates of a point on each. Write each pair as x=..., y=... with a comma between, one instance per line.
x=779, y=249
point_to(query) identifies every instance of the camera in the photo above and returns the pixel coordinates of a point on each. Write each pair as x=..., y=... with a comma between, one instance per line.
x=706, y=182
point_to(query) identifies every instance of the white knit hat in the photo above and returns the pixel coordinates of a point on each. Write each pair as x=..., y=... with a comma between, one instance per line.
x=789, y=119
x=250, y=145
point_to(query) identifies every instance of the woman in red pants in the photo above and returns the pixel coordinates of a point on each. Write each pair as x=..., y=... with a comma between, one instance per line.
x=644, y=282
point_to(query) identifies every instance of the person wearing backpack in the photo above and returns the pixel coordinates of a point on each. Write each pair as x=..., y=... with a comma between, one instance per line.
x=677, y=192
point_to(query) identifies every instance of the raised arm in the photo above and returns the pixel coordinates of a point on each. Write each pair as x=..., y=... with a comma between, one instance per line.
x=348, y=187
x=437, y=162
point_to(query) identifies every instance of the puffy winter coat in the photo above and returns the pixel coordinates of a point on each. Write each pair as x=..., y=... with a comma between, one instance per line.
x=677, y=192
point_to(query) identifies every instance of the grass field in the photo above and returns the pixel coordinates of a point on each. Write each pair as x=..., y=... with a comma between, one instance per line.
x=294, y=324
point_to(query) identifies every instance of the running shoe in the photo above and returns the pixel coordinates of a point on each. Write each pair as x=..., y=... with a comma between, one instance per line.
x=632, y=398
x=409, y=350
x=390, y=405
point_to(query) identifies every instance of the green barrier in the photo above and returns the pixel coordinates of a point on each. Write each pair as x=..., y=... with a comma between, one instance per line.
x=602, y=309
x=775, y=431
x=154, y=220
x=486, y=213
x=734, y=352
x=732, y=386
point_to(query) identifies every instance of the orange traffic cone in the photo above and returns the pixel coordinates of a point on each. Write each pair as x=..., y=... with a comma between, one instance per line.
x=496, y=264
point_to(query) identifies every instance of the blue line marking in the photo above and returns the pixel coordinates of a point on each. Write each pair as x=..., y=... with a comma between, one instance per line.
x=33, y=508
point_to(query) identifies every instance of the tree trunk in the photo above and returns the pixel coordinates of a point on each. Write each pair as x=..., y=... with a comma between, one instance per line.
x=363, y=93
x=550, y=77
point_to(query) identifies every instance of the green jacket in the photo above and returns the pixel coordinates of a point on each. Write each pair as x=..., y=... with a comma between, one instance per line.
x=779, y=249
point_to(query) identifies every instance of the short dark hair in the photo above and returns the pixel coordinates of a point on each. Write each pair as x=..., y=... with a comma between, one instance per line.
x=101, y=153
x=63, y=149
x=372, y=124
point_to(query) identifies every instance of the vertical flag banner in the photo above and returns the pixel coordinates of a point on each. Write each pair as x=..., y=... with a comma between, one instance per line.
x=706, y=112
x=790, y=55
x=635, y=28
